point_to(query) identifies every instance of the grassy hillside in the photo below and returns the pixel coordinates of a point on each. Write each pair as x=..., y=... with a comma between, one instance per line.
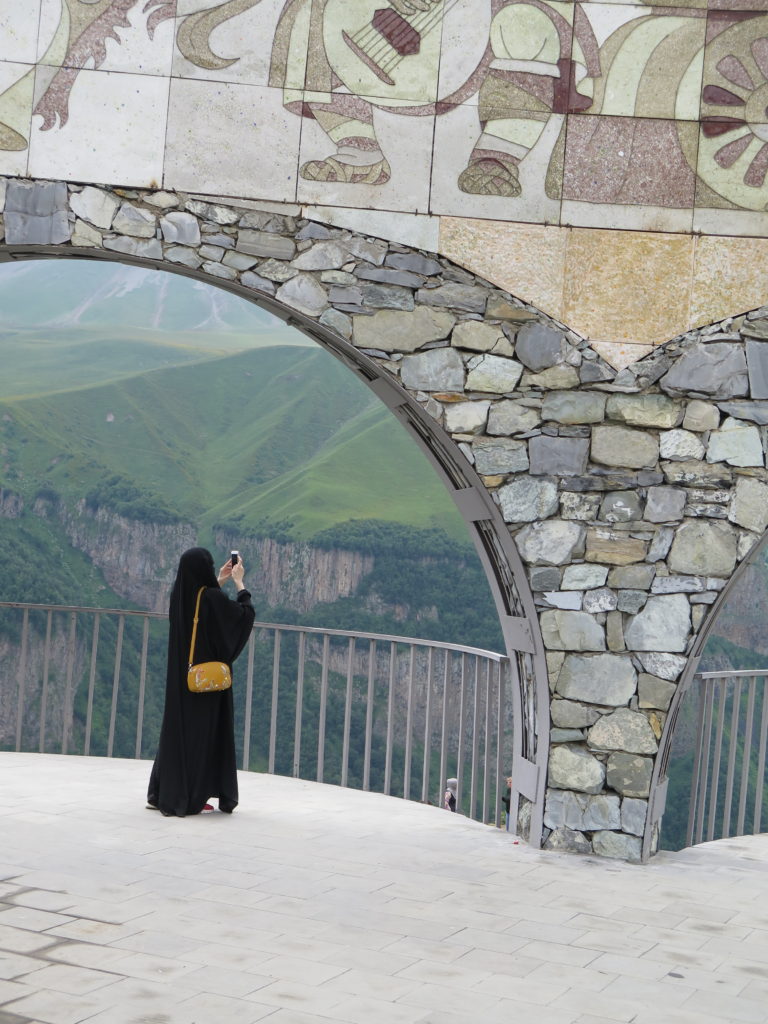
x=259, y=438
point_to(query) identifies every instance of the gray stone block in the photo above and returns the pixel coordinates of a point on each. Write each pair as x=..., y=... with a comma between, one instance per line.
x=620, y=507
x=571, y=407
x=526, y=501
x=606, y=679
x=757, y=365
x=584, y=576
x=569, y=714
x=664, y=624
x=495, y=374
x=36, y=214
x=499, y=455
x=549, y=543
x=511, y=417
x=456, y=296
x=622, y=446
x=654, y=692
x=629, y=774
x=644, y=410
x=665, y=504
x=545, y=577
x=631, y=601
x=439, y=369
x=558, y=456
x=633, y=815
x=571, y=631
x=574, y=768
x=601, y=600
x=704, y=549
x=303, y=293
x=395, y=331
x=414, y=262
x=538, y=347
x=567, y=840
x=618, y=846
x=718, y=369
x=624, y=730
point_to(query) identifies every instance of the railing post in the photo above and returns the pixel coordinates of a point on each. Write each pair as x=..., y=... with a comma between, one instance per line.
x=115, y=684
x=22, y=678
x=299, y=707
x=369, y=715
x=323, y=708
x=66, y=718
x=428, y=726
x=44, y=697
x=347, y=712
x=142, y=688
x=91, y=684
x=248, y=704
x=275, y=698
x=390, y=717
x=409, y=728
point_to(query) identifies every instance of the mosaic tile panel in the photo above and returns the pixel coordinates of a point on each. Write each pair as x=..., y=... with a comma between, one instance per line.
x=246, y=144
x=525, y=259
x=100, y=146
x=627, y=286
x=642, y=117
x=728, y=277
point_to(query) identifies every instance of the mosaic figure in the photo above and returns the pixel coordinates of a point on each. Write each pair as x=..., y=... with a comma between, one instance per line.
x=670, y=109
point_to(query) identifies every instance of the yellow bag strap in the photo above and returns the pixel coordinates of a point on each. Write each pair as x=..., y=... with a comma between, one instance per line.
x=194, y=627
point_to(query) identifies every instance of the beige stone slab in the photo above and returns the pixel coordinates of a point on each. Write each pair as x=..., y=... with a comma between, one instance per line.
x=628, y=287
x=728, y=277
x=527, y=260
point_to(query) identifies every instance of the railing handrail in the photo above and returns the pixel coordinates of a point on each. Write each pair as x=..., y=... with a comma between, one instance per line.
x=732, y=673
x=480, y=652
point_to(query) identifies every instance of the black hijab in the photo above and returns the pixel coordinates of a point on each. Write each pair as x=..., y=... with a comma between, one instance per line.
x=195, y=570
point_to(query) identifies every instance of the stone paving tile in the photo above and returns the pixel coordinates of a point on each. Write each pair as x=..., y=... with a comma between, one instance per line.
x=330, y=918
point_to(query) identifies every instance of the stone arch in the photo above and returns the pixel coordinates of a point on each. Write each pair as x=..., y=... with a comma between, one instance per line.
x=609, y=509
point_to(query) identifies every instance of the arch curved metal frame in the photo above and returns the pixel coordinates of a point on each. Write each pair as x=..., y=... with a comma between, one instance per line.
x=501, y=562
x=659, y=779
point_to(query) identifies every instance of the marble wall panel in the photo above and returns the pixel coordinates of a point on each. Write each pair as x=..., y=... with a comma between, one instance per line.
x=19, y=25
x=115, y=131
x=236, y=49
x=391, y=174
x=527, y=260
x=729, y=276
x=627, y=286
x=245, y=144
x=130, y=39
x=733, y=149
x=521, y=182
x=17, y=84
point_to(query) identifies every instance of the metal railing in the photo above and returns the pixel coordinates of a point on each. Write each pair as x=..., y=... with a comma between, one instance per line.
x=386, y=713
x=728, y=779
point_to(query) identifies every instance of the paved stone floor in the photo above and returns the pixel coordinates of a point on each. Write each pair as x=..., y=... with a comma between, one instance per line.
x=316, y=905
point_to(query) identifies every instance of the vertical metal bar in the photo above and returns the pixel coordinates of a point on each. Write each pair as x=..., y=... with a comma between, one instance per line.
x=142, y=688
x=444, y=729
x=746, y=755
x=706, y=744
x=46, y=663
x=697, y=764
x=715, y=784
x=475, y=743
x=347, y=712
x=248, y=703
x=22, y=677
x=487, y=742
x=323, y=708
x=409, y=727
x=390, y=716
x=369, y=715
x=760, y=778
x=299, y=703
x=275, y=697
x=731, y=769
x=91, y=683
x=116, y=684
x=67, y=715
x=462, y=730
x=428, y=726
x=501, y=786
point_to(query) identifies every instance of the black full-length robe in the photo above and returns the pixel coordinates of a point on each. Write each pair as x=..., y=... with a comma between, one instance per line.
x=196, y=753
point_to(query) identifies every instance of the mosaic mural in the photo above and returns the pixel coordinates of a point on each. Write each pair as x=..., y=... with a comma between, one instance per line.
x=599, y=114
x=515, y=136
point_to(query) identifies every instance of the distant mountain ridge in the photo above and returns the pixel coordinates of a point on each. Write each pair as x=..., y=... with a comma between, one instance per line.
x=93, y=293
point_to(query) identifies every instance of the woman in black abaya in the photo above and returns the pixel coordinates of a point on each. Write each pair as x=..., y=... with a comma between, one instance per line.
x=196, y=753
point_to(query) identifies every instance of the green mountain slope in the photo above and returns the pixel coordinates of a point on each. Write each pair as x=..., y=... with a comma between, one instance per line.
x=256, y=439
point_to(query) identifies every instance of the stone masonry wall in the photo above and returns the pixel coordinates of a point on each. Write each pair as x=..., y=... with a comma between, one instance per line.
x=631, y=496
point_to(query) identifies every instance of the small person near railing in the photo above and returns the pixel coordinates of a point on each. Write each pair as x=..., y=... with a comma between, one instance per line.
x=449, y=797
